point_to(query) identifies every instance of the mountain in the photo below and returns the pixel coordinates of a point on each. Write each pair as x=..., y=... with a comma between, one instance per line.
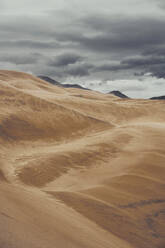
x=118, y=93
x=79, y=170
x=158, y=98
x=54, y=82
x=49, y=80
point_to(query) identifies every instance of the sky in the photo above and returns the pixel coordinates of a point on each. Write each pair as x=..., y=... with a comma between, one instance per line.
x=104, y=45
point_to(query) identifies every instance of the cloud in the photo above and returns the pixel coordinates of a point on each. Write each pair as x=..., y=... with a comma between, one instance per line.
x=161, y=4
x=122, y=33
x=143, y=61
x=65, y=59
x=28, y=44
x=78, y=70
x=2, y=5
x=144, y=87
x=112, y=67
x=152, y=64
x=155, y=51
x=158, y=71
x=20, y=60
x=155, y=65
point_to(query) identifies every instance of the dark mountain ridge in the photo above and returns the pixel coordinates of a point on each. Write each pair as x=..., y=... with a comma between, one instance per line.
x=158, y=98
x=49, y=80
x=118, y=93
x=54, y=82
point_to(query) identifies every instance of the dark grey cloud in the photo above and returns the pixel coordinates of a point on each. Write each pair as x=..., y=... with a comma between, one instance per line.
x=20, y=59
x=143, y=61
x=155, y=51
x=78, y=70
x=28, y=44
x=65, y=59
x=118, y=34
x=153, y=64
x=158, y=71
x=110, y=67
x=142, y=65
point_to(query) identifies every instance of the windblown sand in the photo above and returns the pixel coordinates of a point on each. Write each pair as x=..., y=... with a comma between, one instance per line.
x=79, y=168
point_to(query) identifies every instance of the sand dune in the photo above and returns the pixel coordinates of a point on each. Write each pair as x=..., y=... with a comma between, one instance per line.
x=79, y=168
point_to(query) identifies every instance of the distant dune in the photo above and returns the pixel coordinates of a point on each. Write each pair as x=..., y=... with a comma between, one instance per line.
x=79, y=169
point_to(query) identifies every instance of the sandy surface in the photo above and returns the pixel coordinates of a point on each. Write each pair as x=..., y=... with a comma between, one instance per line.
x=79, y=168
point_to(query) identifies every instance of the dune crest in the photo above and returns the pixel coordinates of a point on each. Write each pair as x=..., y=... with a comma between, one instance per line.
x=79, y=168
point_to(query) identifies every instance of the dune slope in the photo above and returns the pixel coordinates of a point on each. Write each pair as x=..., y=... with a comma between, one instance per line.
x=79, y=168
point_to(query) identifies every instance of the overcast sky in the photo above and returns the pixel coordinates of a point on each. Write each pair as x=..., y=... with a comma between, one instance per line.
x=101, y=44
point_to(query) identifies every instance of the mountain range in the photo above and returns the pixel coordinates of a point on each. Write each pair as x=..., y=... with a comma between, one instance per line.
x=114, y=92
x=54, y=82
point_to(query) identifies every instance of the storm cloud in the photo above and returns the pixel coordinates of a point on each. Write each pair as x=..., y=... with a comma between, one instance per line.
x=65, y=59
x=85, y=41
x=20, y=59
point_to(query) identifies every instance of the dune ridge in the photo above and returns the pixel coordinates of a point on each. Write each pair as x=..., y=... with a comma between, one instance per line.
x=79, y=168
